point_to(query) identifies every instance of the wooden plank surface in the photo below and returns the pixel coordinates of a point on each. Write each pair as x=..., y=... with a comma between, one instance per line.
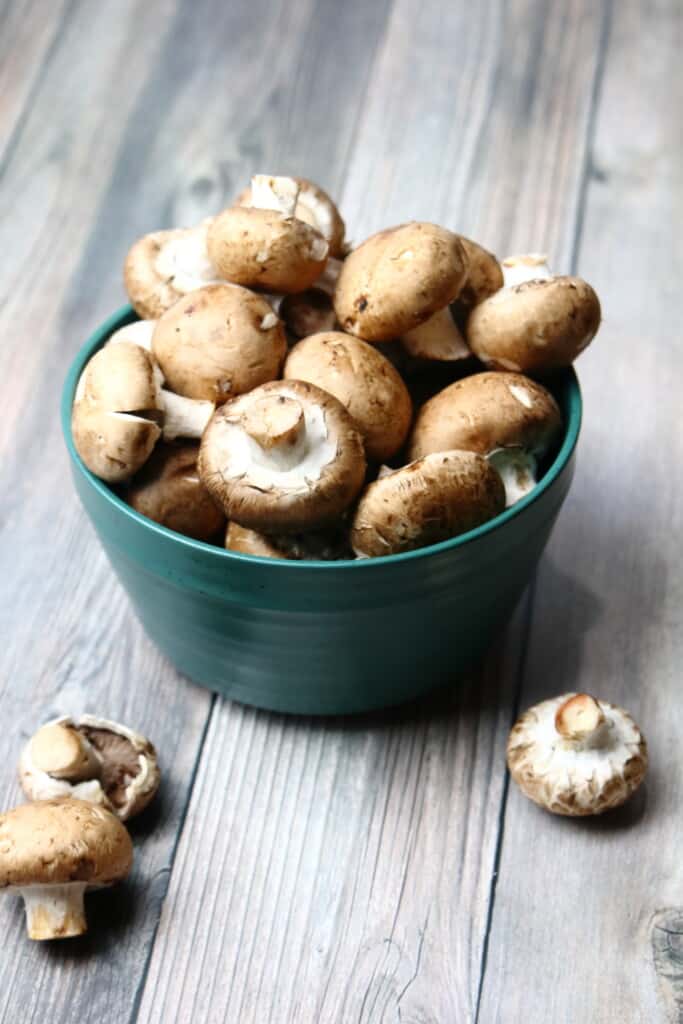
x=589, y=914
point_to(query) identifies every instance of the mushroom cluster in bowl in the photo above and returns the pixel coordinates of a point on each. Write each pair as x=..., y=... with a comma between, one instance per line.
x=277, y=398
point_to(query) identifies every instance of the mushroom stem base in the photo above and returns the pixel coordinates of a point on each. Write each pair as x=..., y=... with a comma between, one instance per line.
x=55, y=911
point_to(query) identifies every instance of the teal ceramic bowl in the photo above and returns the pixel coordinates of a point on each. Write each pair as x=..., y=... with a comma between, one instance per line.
x=324, y=637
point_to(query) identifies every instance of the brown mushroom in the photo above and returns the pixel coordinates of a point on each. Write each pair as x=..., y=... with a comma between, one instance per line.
x=321, y=545
x=163, y=266
x=316, y=208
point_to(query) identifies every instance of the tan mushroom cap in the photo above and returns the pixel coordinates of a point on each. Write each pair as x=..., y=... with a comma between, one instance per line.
x=168, y=490
x=265, y=249
x=485, y=412
x=535, y=326
x=363, y=380
x=399, y=278
x=218, y=342
x=321, y=545
x=315, y=207
x=431, y=500
x=484, y=275
x=575, y=755
x=163, y=266
x=250, y=542
x=293, y=482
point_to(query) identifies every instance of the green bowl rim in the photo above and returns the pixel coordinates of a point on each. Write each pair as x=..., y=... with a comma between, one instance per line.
x=127, y=314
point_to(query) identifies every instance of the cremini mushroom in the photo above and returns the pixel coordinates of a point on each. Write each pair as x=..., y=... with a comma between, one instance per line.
x=484, y=277
x=507, y=417
x=163, y=266
x=121, y=410
x=312, y=312
x=537, y=322
x=93, y=759
x=321, y=545
x=52, y=852
x=315, y=207
x=576, y=755
x=397, y=279
x=427, y=501
x=218, y=342
x=168, y=490
x=365, y=383
x=265, y=245
x=285, y=458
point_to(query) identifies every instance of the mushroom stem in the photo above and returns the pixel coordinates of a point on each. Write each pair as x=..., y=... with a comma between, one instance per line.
x=54, y=911
x=438, y=338
x=275, y=193
x=530, y=267
x=580, y=718
x=275, y=423
x=64, y=753
x=517, y=469
x=184, y=417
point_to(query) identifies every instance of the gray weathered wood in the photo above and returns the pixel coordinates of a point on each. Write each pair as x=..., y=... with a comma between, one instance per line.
x=344, y=872
x=586, y=925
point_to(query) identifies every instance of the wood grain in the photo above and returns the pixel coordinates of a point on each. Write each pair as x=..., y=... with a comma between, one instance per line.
x=347, y=869
x=589, y=913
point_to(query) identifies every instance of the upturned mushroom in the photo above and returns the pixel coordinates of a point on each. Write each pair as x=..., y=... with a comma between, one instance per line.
x=365, y=383
x=397, y=279
x=427, y=501
x=536, y=323
x=168, y=490
x=163, y=266
x=93, y=759
x=266, y=245
x=315, y=207
x=121, y=410
x=575, y=755
x=52, y=852
x=327, y=545
x=218, y=342
x=285, y=458
x=507, y=417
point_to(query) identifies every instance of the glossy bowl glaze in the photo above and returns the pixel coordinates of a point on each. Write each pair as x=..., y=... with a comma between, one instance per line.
x=323, y=637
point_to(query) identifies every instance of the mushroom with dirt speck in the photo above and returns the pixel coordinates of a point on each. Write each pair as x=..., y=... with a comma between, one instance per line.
x=315, y=207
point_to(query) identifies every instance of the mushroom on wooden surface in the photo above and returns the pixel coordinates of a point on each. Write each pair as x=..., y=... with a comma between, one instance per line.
x=93, y=759
x=316, y=208
x=576, y=755
x=164, y=265
x=52, y=852
x=286, y=458
x=505, y=416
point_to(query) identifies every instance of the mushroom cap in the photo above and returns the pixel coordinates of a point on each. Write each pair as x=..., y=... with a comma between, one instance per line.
x=397, y=279
x=363, y=380
x=315, y=207
x=485, y=412
x=122, y=378
x=433, y=499
x=587, y=775
x=264, y=249
x=250, y=542
x=162, y=266
x=168, y=490
x=535, y=326
x=218, y=342
x=320, y=545
x=484, y=276
x=282, y=480
x=55, y=842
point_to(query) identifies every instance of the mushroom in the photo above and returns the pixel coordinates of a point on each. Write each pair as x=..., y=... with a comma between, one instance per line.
x=285, y=458
x=315, y=207
x=164, y=265
x=312, y=312
x=168, y=490
x=363, y=380
x=321, y=545
x=265, y=245
x=438, y=339
x=52, y=852
x=484, y=277
x=93, y=759
x=121, y=411
x=576, y=755
x=218, y=342
x=507, y=417
x=537, y=322
x=397, y=279
x=427, y=501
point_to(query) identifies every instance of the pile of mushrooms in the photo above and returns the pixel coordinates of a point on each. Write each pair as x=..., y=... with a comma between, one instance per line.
x=289, y=396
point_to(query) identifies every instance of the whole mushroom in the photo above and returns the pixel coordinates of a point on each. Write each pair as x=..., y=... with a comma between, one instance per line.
x=285, y=458
x=315, y=207
x=507, y=417
x=427, y=501
x=52, y=852
x=575, y=755
x=363, y=380
x=93, y=759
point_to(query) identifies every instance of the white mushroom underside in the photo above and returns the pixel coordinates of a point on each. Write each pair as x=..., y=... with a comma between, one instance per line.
x=139, y=333
x=54, y=911
x=517, y=469
x=531, y=267
x=184, y=262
